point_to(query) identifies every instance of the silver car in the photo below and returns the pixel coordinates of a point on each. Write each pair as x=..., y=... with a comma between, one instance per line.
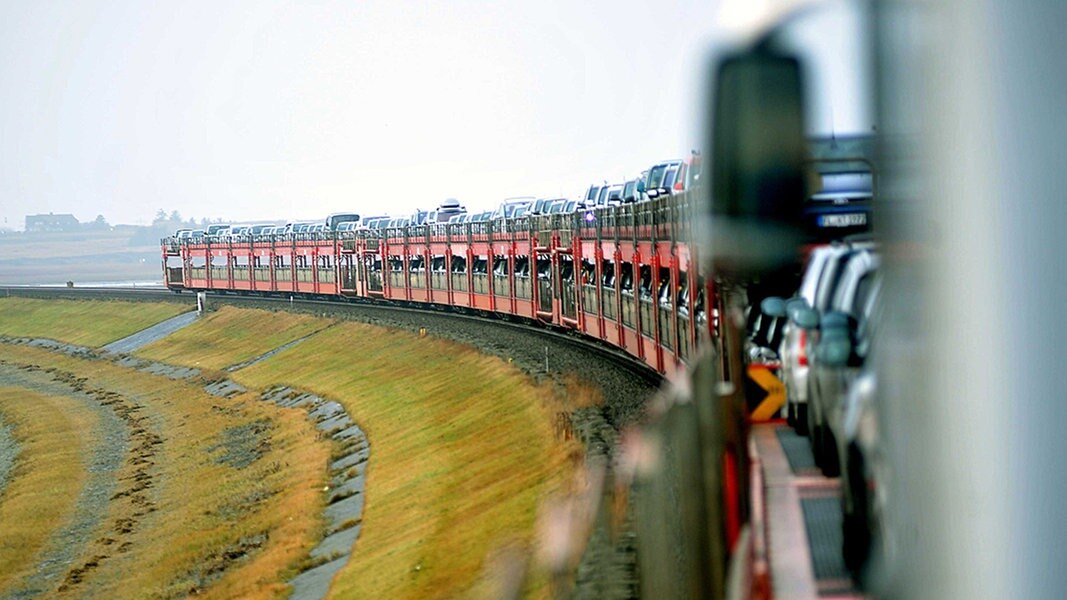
x=793, y=352
x=794, y=348
x=845, y=335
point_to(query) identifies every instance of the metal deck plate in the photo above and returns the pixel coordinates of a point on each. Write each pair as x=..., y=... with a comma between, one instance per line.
x=797, y=450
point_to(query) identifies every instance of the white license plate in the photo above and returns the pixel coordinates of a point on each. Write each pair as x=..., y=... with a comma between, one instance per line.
x=846, y=220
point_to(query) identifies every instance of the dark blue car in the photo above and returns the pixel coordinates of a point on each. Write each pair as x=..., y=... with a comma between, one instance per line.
x=844, y=183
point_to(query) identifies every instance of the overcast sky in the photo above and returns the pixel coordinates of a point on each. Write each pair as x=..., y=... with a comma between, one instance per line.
x=251, y=110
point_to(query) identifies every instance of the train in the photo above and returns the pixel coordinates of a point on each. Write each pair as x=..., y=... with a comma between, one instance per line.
x=626, y=275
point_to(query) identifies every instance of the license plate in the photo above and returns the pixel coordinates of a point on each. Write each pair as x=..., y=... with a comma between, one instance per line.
x=846, y=220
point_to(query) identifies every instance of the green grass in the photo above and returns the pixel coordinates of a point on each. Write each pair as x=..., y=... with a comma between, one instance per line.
x=463, y=451
x=230, y=336
x=462, y=454
x=82, y=322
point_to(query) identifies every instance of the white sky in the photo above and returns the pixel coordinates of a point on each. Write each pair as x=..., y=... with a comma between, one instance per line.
x=253, y=110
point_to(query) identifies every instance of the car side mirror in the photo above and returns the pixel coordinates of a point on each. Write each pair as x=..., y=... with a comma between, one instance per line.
x=806, y=318
x=835, y=349
x=758, y=183
x=793, y=305
x=835, y=320
x=773, y=306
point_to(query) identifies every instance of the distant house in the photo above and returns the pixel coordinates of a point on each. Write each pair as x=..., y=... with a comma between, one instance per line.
x=51, y=222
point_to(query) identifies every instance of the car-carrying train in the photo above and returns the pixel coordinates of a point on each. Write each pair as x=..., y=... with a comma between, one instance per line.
x=626, y=275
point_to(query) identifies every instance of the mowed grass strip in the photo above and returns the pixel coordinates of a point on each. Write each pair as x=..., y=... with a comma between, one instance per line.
x=215, y=530
x=230, y=336
x=82, y=322
x=48, y=475
x=462, y=453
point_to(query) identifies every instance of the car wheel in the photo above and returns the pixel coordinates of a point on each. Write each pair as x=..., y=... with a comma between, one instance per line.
x=802, y=419
x=856, y=526
x=831, y=464
x=814, y=436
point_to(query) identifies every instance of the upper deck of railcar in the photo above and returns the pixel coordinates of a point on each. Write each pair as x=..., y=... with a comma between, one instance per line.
x=658, y=219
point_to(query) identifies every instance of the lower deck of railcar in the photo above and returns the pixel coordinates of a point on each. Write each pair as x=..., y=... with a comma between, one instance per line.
x=803, y=519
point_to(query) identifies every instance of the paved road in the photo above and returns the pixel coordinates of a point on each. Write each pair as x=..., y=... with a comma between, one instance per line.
x=147, y=336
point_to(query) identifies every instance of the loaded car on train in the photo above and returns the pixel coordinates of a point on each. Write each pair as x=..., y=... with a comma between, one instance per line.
x=334, y=221
x=626, y=276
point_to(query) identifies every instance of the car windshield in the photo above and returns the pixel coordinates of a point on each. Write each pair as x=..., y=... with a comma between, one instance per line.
x=844, y=186
x=335, y=220
x=668, y=178
x=655, y=177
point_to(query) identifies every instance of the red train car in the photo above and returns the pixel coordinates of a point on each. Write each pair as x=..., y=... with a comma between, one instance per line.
x=626, y=275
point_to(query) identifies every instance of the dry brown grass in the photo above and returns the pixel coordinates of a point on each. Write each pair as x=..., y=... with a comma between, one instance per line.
x=230, y=336
x=48, y=476
x=202, y=510
x=82, y=322
x=463, y=450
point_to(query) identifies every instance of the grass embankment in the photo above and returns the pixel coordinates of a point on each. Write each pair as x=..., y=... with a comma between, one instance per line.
x=463, y=450
x=48, y=475
x=230, y=336
x=462, y=453
x=82, y=322
x=185, y=518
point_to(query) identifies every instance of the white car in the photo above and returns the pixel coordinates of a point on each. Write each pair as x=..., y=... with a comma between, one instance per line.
x=793, y=351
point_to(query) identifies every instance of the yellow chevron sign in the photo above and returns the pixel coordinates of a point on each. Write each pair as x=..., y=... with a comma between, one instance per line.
x=768, y=406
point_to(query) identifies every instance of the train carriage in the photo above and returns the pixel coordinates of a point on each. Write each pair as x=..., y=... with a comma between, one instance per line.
x=625, y=275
